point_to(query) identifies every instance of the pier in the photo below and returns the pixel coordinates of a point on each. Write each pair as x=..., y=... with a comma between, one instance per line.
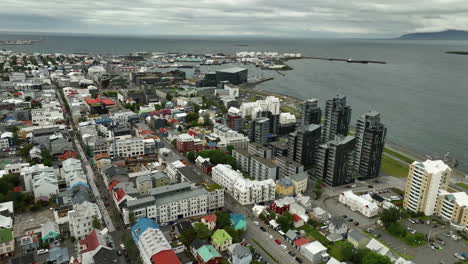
x=348, y=60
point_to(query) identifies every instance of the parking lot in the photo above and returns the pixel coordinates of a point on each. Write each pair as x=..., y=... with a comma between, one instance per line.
x=424, y=253
x=31, y=221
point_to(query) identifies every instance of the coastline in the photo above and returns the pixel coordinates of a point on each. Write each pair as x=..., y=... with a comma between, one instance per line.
x=457, y=175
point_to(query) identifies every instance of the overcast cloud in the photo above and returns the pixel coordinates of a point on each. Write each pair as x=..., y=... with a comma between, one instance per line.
x=295, y=18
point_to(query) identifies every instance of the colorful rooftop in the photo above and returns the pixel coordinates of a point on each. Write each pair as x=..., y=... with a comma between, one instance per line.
x=220, y=236
x=165, y=256
x=301, y=241
x=210, y=218
x=90, y=242
x=238, y=221
x=208, y=252
x=141, y=226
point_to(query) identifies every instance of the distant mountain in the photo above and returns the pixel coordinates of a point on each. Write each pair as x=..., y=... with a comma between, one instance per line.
x=442, y=35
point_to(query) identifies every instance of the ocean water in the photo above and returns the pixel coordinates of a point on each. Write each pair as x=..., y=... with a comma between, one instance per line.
x=422, y=93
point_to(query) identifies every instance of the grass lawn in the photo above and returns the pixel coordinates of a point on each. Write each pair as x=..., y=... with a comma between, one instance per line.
x=398, y=155
x=463, y=185
x=393, y=167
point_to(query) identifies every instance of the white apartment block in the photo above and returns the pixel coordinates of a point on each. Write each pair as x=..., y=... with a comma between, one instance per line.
x=362, y=204
x=425, y=182
x=228, y=137
x=172, y=202
x=128, y=147
x=81, y=219
x=46, y=116
x=151, y=242
x=287, y=118
x=121, y=116
x=453, y=208
x=15, y=167
x=4, y=143
x=270, y=103
x=243, y=190
x=258, y=167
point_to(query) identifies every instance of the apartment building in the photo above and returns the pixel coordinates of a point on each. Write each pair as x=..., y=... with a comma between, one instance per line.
x=228, y=137
x=310, y=113
x=425, y=182
x=287, y=167
x=81, y=219
x=128, y=147
x=337, y=117
x=304, y=143
x=187, y=143
x=171, y=202
x=370, y=141
x=46, y=116
x=151, y=242
x=243, y=190
x=7, y=242
x=453, y=208
x=258, y=167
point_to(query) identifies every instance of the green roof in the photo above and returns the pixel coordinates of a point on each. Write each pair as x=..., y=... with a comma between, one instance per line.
x=212, y=187
x=6, y=235
x=220, y=236
x=208, y=252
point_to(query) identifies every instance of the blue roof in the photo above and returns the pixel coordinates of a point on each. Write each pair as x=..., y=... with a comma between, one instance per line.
x=212, y=144
x=10, y=118
x=78, y=183
x=103, y=120
x=141, y=226
x=238, y=221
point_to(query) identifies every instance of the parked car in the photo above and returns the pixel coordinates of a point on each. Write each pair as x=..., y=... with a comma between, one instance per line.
x=270, y=236
x=263, y=229
x=370, y=186
x=348, y=186
x=353, y=186
x=412, y=221
x=344, y=216
x=277, y=241
x=298, y=259
x=291, y=253
x=256, y=223
x=42, y=251
x=284, y=247
x=356, y=223
x=119, y=253
x=350, y=220
x=459, y=256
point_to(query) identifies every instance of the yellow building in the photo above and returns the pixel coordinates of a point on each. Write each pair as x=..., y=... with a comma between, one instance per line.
x=284, y=187
x=453, y=208
x=425, y=181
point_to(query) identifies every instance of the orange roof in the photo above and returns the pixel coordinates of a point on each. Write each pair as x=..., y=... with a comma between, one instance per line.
x=210, y=218
x=68, y=155
x=28, y=122
x=301, y=241
x=146, y=132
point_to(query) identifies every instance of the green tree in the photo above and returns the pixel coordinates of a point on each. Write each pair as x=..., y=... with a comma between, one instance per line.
x=169, y=97
x=236, y=235
x=222, y=220
x=187, y=236
x=96, y=223
x=46, y=158
x=390, y=216
x=191, y=156
x=27, y=98
x=285, y=221
x=191, y=117
x=396, y=229
x=229, y=149
x=318, y=189
x=24, y=151
x=202, y=231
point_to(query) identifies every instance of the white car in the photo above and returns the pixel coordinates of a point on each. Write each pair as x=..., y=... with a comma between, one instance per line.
x=286, y=248
x=42, y=251
x=256, y=223
x=270, y=236
x=458, y=256
x=353, y=186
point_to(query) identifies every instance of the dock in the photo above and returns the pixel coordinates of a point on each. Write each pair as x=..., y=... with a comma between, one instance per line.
x=348, y=60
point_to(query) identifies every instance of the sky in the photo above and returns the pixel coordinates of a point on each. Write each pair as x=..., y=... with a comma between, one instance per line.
x=271, y=18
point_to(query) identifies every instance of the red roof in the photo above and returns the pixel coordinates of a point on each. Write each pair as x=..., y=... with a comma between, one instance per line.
x=165, y=256
x=99, y=100
x=67, y=155
x=91, y=242
x=163, y=130
x=296, y=218
x=17, y=93
x=146, y=132
x=112, y=184
x=28, y=122
x=17, y=189
x=210, y=218
x=301, y=241
x=119, y=194
x=192, y=133
x=100, y=156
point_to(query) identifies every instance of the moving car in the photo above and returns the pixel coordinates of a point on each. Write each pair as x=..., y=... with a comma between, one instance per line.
x=298, y=259
x=459, y=256
x=277, y=242
x=263, y=229
x=284, y=247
